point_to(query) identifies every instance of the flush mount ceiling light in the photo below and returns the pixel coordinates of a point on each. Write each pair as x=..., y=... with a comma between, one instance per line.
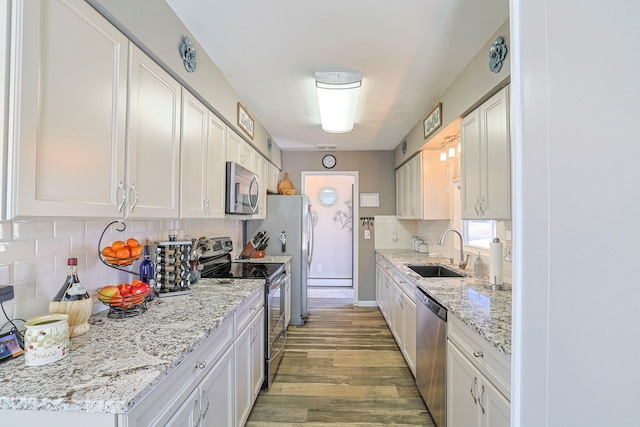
x=338, y=93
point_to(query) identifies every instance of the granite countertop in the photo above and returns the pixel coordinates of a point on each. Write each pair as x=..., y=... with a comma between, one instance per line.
x=486, y=311
x=114, y=365
x=268, y=258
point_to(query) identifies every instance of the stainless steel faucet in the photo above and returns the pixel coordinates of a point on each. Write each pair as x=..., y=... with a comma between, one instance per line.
x=463, y=261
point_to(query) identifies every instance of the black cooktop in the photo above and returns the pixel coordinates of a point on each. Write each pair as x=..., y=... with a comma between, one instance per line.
x=245, y=270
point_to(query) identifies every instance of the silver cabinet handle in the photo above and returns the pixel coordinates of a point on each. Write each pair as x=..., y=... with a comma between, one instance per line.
x=201, y=364
x=478, y=353
x=473, y=385
x=135, y=197
x=475, y=206
x=480, y=399
x=196, y=407
x=206, y=408
x=124, y=196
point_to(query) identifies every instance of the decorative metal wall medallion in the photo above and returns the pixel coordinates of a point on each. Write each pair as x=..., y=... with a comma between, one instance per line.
x=327, y=196
x=269, y=142
x=497, y=52
x=404, y=147
x=188, y=52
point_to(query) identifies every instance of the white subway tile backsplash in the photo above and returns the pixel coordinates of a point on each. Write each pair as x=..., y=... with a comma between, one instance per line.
x=47, y=248
x=69, y=228
x=32, y=230
x=6, y=230
x=5, y=274
x=32, y=269
x=17, y=251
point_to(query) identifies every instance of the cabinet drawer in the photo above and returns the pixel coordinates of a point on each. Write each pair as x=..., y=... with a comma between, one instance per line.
x=492, y=364
x=248, y=309
x=160, y=404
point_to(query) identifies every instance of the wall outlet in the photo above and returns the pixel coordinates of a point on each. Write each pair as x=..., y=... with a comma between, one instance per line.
x=507, y=252
x=367, y=234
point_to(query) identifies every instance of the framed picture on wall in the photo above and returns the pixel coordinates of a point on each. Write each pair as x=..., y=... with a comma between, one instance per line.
x=245, y=121
x=433, y=121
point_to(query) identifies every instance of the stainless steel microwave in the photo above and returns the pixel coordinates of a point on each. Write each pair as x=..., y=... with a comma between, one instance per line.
x=243, y=190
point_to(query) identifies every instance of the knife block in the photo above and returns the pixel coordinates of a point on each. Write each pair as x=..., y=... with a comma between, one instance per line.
x=258, y=254
x=248, y=250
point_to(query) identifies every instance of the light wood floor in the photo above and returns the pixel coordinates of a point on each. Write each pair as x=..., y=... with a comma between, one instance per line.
x=342, y=368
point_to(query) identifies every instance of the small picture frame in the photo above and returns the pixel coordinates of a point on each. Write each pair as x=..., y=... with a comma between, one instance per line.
x=433, y=121
x=245, y=121
x=9, y=346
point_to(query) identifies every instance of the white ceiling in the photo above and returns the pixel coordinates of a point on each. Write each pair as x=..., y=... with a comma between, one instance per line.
x=408, y=50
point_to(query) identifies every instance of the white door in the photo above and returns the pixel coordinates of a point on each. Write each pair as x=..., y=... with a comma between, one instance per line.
x=332, y=213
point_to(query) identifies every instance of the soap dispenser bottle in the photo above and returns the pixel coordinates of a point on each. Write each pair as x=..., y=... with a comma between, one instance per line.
x=478, y=267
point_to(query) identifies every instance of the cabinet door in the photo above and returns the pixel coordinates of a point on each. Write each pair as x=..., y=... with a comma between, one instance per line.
x=217, y=393
x=188, y=414
x=494, y=117
x=244, y=388
x=494, y=407
x=216, y=167
x=153, y=147
x=400, y=194
x=234, y=147
x=472, y=179
x=463, y=386
x=287, y=300
x=409, y=349
x=68, y=145
x=398, y=315
x=433, y=186
x=257, y=354
x=194, y=157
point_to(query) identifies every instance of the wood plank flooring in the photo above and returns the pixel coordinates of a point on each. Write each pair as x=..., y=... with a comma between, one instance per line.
x=342, y=368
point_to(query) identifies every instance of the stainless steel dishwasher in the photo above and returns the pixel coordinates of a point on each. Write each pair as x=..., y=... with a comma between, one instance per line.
x=431, y=355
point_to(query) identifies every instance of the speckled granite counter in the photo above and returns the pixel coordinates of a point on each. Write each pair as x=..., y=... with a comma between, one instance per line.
x=486, y=311
x=115, y=364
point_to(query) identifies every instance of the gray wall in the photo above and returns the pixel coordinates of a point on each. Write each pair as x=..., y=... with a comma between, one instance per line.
x=472, y=86
x=376, y=175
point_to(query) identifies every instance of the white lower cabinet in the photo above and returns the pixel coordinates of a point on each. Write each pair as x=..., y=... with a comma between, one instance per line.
x=395, y=296
x=210, y=404
x=249, y=356
x=478, y=379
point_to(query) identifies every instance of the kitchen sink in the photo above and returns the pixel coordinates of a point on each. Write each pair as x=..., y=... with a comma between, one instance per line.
x=434, y=271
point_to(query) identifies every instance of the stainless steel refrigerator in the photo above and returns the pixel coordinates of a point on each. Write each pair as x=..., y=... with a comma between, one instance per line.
x=291, y=215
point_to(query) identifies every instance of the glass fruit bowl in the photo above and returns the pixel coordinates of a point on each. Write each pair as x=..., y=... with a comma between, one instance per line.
x=124, y=306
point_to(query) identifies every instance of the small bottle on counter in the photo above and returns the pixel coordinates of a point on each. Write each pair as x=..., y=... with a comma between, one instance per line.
x=146, y=270
x=478, y=267
x=72, y=289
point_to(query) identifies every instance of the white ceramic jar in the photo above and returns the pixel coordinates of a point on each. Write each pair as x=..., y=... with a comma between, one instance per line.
x=46, y=339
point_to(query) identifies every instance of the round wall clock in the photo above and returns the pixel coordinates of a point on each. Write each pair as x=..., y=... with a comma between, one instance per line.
x=329, y=161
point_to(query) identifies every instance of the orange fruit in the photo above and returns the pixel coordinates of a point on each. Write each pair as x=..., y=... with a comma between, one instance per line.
x=123, y=253
x=136, y=251
x=118, y=244
x=131, y=242
x=135, y=282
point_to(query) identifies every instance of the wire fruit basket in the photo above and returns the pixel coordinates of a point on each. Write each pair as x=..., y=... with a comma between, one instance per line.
x=124, y=306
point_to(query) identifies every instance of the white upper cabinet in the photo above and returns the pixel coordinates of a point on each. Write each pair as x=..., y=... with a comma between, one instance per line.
x=486, y=169
x=69, y=110
x=421, y=188
x=274, y=178
x=202, y=168
x=83, y=145
x=239, y=151
x=153, y=143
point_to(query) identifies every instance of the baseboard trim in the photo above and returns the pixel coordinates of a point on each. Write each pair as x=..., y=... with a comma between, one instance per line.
x=366, y=304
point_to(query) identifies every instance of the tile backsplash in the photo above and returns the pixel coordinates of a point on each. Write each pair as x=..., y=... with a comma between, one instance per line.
x=391, y=233
x=33, y=254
